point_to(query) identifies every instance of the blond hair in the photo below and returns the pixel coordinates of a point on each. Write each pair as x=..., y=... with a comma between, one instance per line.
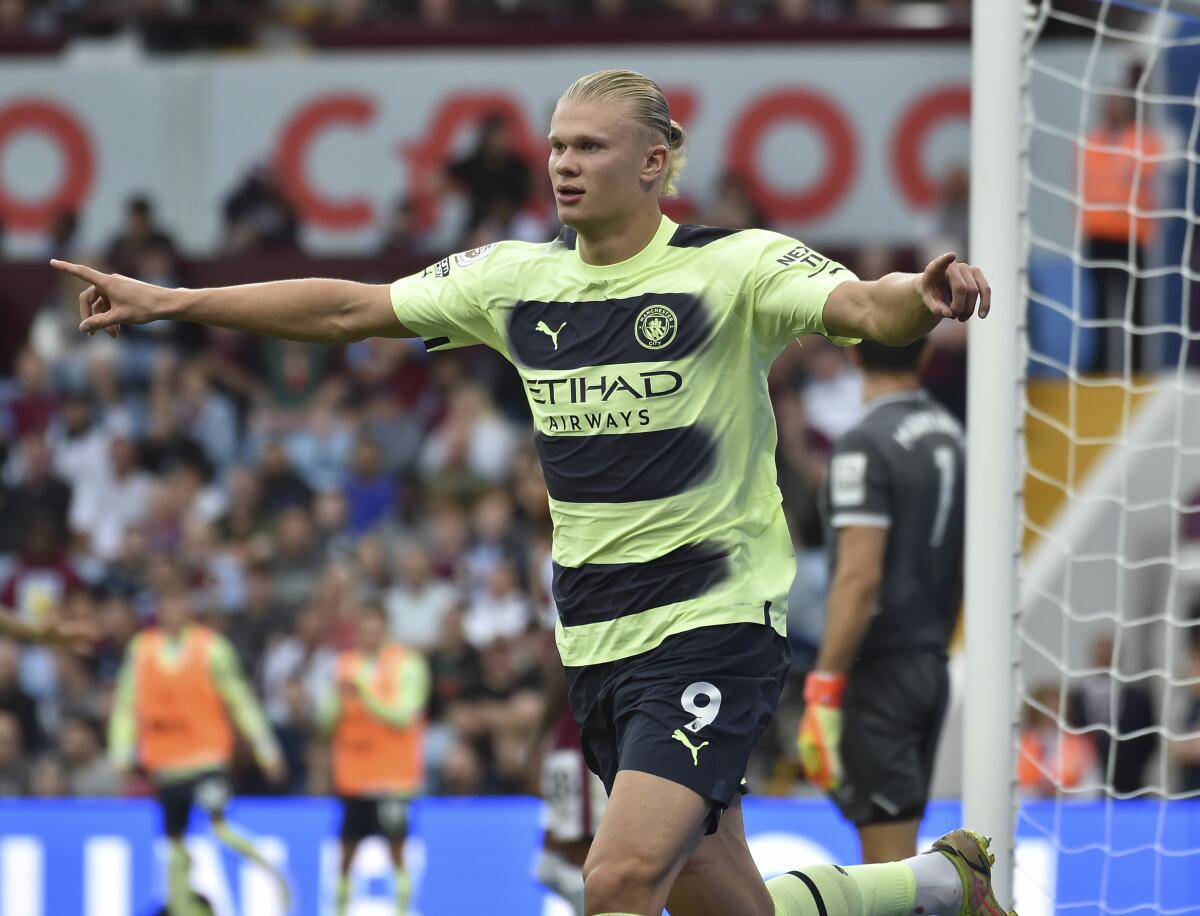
x=650, y=110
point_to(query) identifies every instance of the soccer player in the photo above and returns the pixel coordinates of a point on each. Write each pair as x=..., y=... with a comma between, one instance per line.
x=177, y=694
x=643, y=347
x=376, y=720
x=893, y=509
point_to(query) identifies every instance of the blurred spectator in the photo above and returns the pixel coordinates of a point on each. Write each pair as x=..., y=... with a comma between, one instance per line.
x=165, y=446
x=43, y=575
x=948, y=226
x=499, y=612
x=1121, y=710
x=206, y=416
x=281, y=487
x=400, y=240
x=493, y=176
x=81, y=446
x=82, y=748
x=302, y=656
x=371, y=492
x=733, y=207
x=101, y=514
x=321, y=447
x=1119, y=169
x=139, y=236
x=258, y=214
x=252, y=626
x=833, y=393
x=454, y=667
x=33, y=490
x=416, y=603
x=296, y=562
x=48, y=777
x=1185, y=751
x=60, y=242
x=14, y=776
x=34, y=404
x=471, y=447
x=1051, y=760
x=16, y=705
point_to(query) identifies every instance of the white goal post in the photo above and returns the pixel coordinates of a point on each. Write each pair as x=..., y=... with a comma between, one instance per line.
x=993, y=432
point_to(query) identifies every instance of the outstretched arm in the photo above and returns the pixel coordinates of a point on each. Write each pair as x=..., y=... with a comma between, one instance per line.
x=899, y=308
x=314, y=310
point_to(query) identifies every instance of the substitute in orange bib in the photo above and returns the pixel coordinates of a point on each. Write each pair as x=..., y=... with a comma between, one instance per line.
x=179, y=697
x=376, y=722
x=1120, y=164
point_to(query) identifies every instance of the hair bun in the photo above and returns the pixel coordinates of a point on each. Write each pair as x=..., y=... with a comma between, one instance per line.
x=675, y=137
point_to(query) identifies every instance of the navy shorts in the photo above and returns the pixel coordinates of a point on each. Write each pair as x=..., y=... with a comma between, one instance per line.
x=892, y=715
x=210, y=789
x=385, y=816
x=689, y=710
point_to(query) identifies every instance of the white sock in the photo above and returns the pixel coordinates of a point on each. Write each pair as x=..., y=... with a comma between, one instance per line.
x=939, y=887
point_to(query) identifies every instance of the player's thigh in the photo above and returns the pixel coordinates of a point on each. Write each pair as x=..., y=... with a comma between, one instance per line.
x=650, y=828
x=721, y=878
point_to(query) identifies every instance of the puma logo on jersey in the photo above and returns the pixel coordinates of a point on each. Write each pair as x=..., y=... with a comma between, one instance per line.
x=679, y=736
x=553, y=335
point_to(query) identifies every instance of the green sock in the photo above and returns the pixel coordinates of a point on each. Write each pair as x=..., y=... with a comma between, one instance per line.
x=246, y=847
x=179, y=896
x=341, y=900
x=403, y=891
x=861, y=890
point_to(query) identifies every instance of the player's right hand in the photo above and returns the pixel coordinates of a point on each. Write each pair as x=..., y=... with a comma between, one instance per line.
x=112, y=300
x=821, y=730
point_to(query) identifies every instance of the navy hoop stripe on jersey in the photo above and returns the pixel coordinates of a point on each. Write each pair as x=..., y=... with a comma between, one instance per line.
x=433, y=343
x=646, y=384
x=606, y=591
x=625, y=467
x=698, y=236
x=607, y=332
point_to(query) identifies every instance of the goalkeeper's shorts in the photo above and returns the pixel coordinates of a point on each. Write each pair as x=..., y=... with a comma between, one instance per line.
x=892, y=713
x=689, y=710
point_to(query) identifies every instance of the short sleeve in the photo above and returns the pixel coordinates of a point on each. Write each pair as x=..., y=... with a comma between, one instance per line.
x=445, y=303
x=859, y=491
x=791, y=284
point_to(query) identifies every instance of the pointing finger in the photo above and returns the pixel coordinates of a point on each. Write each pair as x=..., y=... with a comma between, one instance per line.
x=82, y=271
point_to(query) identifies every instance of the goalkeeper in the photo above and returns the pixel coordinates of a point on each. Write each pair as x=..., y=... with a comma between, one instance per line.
x=177, y=693
x=893, y=509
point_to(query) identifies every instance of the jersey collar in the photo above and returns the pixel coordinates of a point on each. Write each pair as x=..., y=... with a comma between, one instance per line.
x=918, y=394
x=640, y=261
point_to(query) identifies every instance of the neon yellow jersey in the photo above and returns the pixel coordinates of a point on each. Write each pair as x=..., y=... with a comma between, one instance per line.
x=647, y=381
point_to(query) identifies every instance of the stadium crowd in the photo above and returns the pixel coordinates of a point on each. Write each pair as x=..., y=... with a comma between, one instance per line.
x=182, y=25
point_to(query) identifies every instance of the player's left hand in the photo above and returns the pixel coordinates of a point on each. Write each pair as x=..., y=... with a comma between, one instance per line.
x=821, y=730
x=952, y=289
x=77, y=636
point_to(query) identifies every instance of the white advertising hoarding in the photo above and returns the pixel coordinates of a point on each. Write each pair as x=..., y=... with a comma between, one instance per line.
x=841, y=143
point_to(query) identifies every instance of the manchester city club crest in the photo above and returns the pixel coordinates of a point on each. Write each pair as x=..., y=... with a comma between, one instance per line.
x=655, y=327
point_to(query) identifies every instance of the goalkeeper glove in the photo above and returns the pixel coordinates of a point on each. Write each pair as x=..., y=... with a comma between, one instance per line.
x=821, y=730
